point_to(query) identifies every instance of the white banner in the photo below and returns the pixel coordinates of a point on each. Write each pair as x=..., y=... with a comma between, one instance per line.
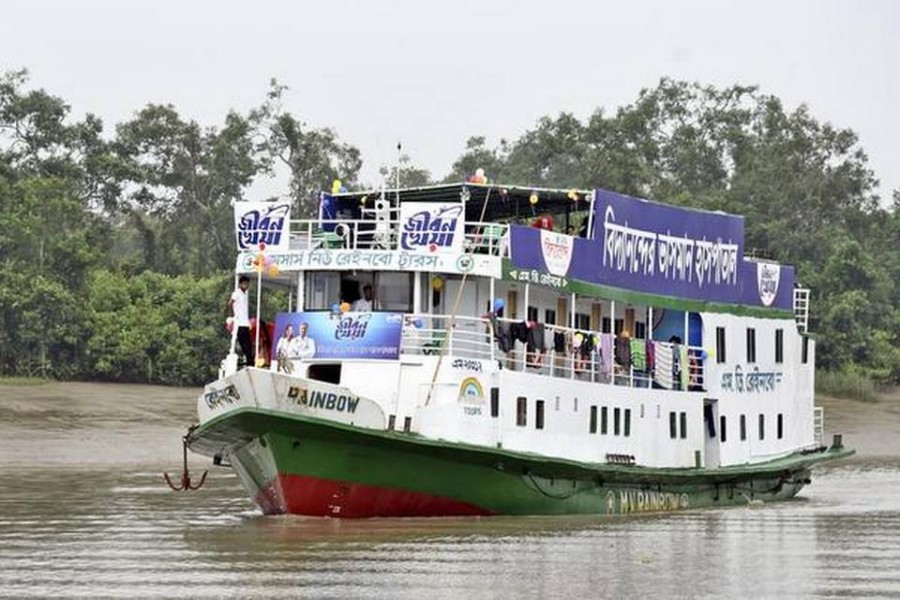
x=267, y=222
x=431, y=227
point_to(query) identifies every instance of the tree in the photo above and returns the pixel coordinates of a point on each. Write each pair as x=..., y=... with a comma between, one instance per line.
x=313, y=157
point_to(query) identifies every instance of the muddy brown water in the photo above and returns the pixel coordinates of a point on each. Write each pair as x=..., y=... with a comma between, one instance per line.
x=84, y=513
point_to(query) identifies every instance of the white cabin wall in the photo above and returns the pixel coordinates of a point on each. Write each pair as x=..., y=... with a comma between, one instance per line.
x=792, y=396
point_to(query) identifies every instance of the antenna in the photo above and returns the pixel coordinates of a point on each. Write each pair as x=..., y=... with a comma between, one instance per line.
x=399, y=155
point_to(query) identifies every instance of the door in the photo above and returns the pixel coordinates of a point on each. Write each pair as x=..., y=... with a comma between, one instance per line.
x=710, y=432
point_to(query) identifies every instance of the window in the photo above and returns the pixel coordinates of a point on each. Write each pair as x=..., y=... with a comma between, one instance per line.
x=627, y=423
x=780, y=426
x=592, y=428
x=607, y=325
x=720, y=345
x=521, y=411
x=604, y=420
x=683, y=425
x=751, y=345
x=532, y=314
x=743, y=428
x=779, y=345
x=394, y=291
x=582, y=321
x=640, y=330
x=804, y=353
x=616, y=416
x=550, y=316
x=722, y=435
x=619, y=325
x=673, y=425
x=762, y=427
x=495, y=402
x=539, y=414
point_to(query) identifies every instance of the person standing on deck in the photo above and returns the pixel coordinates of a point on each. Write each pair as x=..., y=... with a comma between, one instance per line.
x=239, y=304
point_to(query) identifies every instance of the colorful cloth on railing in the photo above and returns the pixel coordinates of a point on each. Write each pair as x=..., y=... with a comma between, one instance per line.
x=664, y=373
x=639, y=354
x=685, y=367
x=606, y=349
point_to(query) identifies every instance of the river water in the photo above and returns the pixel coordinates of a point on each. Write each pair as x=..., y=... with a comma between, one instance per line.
x=84, y=512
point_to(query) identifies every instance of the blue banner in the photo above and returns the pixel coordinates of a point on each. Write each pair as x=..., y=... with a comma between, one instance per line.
x=326, y=335
x=658, y=249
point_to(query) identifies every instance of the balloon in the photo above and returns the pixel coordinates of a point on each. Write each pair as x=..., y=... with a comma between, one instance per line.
x=274, y=270
x=363, y=200
x=343, y=189
x=262, y=246
x=573, y=195
x=345, y=307
x=499, y=304
x=336, y=186
x=418, y=324
x=479, y=173
x=533, y=198
x=336, y=307
x=703, y=355
x=437, y=283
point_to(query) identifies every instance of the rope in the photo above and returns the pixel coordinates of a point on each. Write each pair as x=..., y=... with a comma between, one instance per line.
x=462, y=285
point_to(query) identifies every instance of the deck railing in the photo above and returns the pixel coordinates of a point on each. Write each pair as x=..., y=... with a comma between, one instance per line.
x=562, y=352
x=368, y=234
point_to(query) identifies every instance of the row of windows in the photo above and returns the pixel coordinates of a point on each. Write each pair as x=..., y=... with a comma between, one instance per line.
x=621, y=421
x=751, y=346
x=621, y=418
x=723, y=427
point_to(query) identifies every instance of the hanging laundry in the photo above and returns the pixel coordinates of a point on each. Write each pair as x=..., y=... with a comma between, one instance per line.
x=639, y=354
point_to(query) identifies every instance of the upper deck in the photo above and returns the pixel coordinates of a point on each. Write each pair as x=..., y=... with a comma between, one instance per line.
x=594, y=243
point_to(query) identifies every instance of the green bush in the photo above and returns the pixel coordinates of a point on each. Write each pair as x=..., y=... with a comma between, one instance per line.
x=845, y=384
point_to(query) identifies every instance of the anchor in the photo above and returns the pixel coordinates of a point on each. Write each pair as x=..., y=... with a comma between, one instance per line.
x=185, y=483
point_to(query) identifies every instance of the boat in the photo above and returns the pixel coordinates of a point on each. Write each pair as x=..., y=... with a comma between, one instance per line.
x=523, y=351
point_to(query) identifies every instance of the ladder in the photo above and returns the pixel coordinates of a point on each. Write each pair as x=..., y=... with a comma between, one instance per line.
x=801, y=309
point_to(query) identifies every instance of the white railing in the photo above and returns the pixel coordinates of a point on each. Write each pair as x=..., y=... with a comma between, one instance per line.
x=819, y=425
x=562, y=351
x=369, y=234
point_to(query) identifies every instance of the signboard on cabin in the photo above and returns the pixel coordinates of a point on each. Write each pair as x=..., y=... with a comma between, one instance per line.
x=262, y=222
x=431, y=227
x=318, y=335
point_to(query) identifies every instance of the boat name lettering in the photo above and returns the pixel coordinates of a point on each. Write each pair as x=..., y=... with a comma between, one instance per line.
x=264, y=225
x=634, y=250
x=632, y=501
x=217, y=398
x=535, y=276
x=352, y=328
x=326, y=400
x=473, y=411
x=322, y=258
x=753, y=381
x=466, y=364
x=431, y=229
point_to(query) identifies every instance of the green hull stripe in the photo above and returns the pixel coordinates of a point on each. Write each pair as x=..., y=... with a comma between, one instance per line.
x=498, y=480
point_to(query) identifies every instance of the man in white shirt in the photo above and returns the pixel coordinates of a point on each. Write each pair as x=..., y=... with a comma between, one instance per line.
x=302, y=346
x=239, y=304
x=366, y=303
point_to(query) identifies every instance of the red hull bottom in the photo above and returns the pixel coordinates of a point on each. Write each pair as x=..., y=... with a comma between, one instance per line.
x=297, y=494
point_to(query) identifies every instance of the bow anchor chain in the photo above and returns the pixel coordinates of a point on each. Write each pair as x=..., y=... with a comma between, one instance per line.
x=185, y=483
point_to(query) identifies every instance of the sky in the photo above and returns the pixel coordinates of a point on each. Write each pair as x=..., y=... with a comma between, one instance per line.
x=432, y=74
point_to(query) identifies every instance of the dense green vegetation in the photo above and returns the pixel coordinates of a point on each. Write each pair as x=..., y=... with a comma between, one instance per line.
x=116, y=244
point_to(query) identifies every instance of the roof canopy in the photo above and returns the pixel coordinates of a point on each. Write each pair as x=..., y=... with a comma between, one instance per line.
x=496, y=202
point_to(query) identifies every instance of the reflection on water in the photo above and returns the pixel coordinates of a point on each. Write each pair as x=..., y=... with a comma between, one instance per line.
x=82, y=530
